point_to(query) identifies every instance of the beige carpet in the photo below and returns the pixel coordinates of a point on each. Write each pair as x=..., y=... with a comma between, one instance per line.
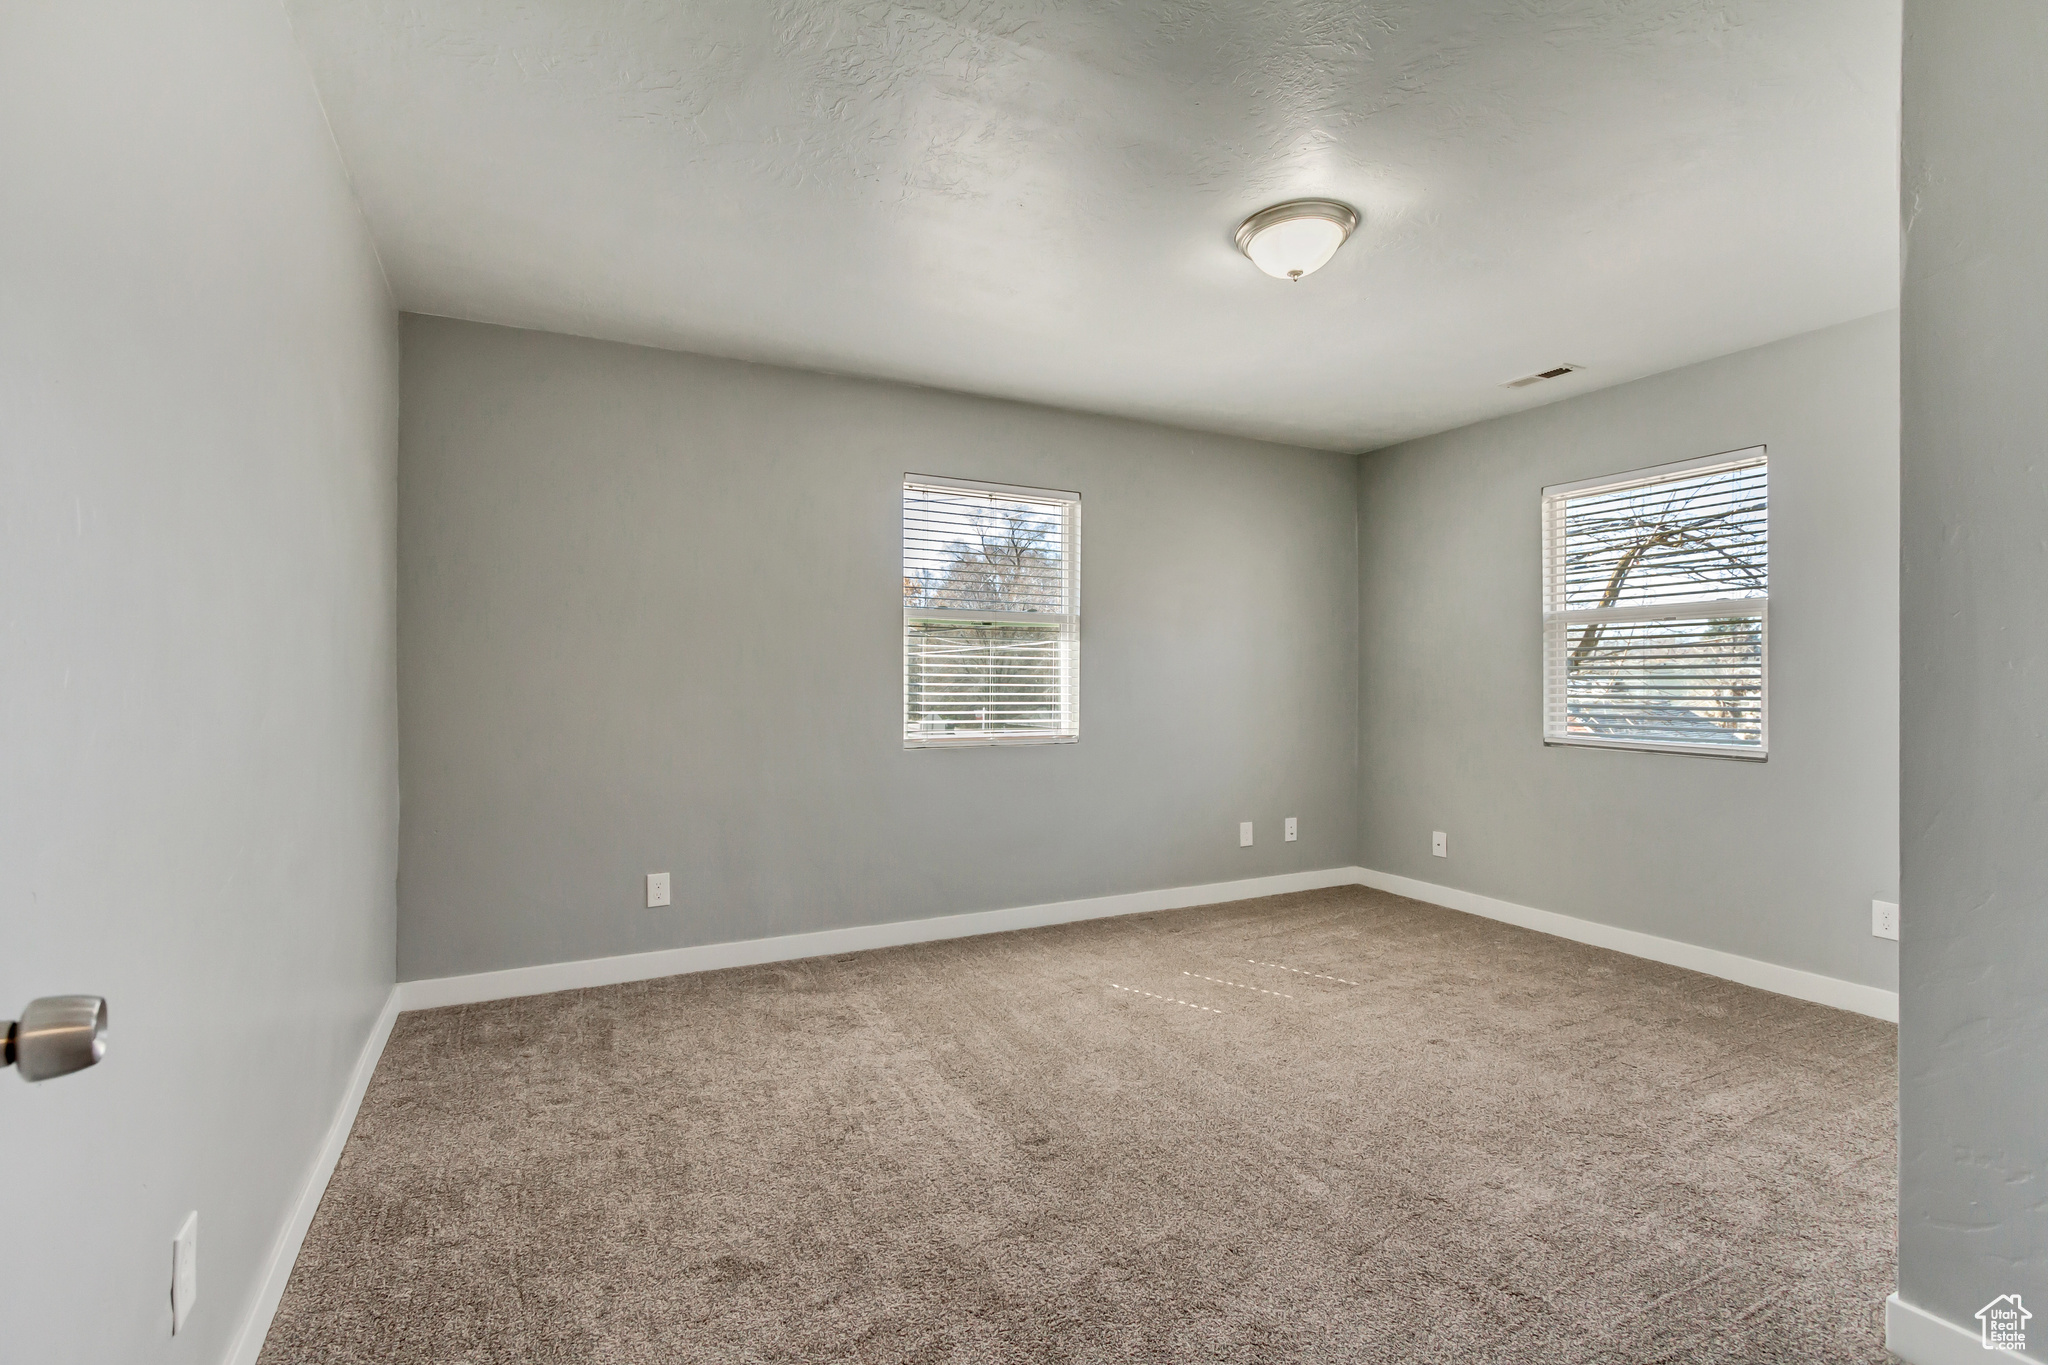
x=1335, y=1126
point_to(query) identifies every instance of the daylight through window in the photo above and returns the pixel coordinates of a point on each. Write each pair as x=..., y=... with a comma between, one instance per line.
x=991, y=614
x=1656, y=599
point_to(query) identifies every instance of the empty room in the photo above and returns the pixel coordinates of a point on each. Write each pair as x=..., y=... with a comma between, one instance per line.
x=983, y=681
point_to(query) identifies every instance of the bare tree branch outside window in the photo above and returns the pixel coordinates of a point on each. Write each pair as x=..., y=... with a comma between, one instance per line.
x=1002, y=557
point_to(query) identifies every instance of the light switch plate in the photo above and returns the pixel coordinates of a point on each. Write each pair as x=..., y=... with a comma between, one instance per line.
x=1244, y=835
x=184, y=1272
x=657, y=889
x=1440, y=843
x=1290, y=829
x=1884, y=919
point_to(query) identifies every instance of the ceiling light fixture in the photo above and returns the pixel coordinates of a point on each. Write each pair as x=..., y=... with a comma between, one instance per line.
x=1297, y=238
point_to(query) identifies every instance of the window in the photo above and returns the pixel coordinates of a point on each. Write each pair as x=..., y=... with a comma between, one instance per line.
x=1656, y=594
x=991, y=614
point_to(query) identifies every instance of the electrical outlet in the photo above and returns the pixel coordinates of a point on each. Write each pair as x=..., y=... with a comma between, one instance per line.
x=184, y=1272
x=657, y=889
x=1884, y=919
x=1244, y=835
x=1290, y=829
x=1440, y=843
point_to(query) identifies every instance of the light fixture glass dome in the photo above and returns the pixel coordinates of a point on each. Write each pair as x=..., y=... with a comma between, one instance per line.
x=1297, y=238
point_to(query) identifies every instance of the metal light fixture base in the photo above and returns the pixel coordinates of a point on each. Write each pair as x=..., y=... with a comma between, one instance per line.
x=1328, y=210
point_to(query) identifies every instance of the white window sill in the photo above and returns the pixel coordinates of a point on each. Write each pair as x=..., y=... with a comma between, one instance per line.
x=1741, y=755
x=987, y=741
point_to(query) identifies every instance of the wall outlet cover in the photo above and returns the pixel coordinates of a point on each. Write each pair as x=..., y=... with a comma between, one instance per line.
x=1884, y=919
x=1244, y=835
x=657, y=889
x=1440, y=843
x=1290, y=829
x=184, y=1271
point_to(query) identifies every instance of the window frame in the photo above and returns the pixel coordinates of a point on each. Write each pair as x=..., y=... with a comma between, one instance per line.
x=1069, y=622
x=1554, y=500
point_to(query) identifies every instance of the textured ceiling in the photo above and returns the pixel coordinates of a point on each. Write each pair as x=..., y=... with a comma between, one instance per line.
x=1036, y=199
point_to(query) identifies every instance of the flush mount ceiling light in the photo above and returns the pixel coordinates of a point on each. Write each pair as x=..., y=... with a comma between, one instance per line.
x=1297, y=238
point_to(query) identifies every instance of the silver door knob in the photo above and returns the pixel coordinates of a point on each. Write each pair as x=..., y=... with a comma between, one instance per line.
x=56, y=1035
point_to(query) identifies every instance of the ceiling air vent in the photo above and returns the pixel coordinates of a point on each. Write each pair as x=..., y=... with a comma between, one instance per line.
x=1526, y=380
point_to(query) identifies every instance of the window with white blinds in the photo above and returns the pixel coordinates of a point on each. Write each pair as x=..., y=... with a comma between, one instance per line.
x=991, y=614
x=1656, y=599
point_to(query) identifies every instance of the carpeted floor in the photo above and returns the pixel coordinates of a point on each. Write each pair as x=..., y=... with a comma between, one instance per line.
x=1334, y=1126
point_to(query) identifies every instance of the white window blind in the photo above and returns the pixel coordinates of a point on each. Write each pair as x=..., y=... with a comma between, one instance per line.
x=1656, y=600
x=991, y=614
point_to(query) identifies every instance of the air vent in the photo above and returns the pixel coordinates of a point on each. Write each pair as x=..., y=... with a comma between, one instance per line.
x=1526, y=380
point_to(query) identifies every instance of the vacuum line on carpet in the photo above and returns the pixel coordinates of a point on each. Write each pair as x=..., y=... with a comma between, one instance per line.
x=1170, y=999
x=1299, y=972
x=1239, y=984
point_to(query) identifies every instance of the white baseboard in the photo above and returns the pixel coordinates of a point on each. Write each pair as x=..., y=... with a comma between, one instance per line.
x=1874, y=1001
x=611, y=971
x=1918, y=1337
x=284, y=1253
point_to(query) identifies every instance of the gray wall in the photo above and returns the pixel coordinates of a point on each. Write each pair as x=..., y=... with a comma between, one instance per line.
x=650, y=620
x=1973, y=1033
x=1776, y=860
x=198, y=422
